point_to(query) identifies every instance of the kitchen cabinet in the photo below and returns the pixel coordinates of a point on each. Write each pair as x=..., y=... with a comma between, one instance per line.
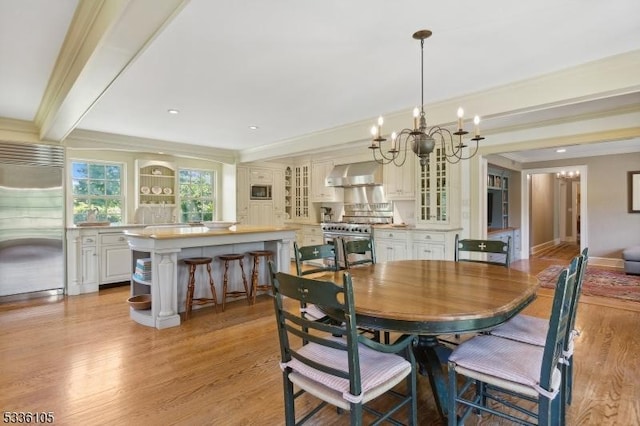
x=115, y=258
x=429, y=245
x=242, y=195
x=400, y=182
x=278, y=192
x=261, y=176
x=261, y=213
x=391, y=244
x=301, y=192
x=156, y=183
x=434, y=201
x=89, y=261
x=319, y=191
x=311, y=235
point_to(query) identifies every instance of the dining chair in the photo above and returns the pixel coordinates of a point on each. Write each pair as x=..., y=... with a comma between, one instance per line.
x=533, y=330
x=506, y=372
x=306, y=254
x=338, y=365
x=359, y=247
x=498, y=252
x=362, y=247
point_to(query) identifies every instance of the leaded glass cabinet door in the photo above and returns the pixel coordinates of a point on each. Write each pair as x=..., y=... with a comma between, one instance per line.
x=433, y=188
x=301, y=191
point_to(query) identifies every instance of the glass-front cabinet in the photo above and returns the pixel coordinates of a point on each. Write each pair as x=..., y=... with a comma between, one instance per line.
x=288, y=192
x=433, y=189
x=301, y=192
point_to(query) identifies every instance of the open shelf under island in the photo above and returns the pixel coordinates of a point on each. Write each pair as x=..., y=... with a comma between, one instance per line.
x=168, y=245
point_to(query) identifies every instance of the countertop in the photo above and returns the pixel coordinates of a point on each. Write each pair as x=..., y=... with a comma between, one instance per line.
x=168, y=233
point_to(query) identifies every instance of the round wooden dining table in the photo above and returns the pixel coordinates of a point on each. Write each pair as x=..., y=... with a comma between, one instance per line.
x=433, y=297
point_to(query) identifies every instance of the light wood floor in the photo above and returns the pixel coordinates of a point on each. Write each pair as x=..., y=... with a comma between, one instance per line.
x=82, y=358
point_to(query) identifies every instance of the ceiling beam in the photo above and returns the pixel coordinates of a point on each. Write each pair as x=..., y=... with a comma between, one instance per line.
x=104, y=38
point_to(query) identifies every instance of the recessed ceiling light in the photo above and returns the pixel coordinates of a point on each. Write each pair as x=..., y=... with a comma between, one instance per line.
x=561, y=150
x=173, y=111
x=253, y=127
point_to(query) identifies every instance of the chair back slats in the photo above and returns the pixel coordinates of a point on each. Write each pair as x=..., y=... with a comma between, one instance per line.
x=315, y=252
x=328, y=295
x=361, y=247
x=559, y=322
x=496, y=247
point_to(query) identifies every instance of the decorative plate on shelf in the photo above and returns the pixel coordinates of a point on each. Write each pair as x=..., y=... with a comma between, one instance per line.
x=145, y=190
x=156, y=172
x=168, y=191
x=156, y=190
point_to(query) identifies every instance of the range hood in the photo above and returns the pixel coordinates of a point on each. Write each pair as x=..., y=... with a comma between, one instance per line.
x=368, y=173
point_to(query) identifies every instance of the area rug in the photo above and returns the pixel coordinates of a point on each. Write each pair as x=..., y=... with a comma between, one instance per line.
x=598, y=282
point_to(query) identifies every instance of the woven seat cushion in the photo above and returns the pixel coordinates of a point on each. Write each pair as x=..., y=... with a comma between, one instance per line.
x=505, y=363
x=379, y=372
x=524, y=328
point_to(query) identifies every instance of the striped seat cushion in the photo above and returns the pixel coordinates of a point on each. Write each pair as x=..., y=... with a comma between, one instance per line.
x=524, y=328
x=377, y=369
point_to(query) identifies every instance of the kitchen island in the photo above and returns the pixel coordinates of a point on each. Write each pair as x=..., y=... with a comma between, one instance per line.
x=166, y=246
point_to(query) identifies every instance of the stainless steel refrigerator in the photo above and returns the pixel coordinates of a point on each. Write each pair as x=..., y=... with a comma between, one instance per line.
x=31, y=219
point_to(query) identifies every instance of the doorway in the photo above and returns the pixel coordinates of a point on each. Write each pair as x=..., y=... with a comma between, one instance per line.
x=575, y=216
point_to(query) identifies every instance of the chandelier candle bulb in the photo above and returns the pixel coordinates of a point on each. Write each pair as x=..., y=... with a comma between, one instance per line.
x=416, y=113
x=394, y=136
x=476, y=122
x=460, y=115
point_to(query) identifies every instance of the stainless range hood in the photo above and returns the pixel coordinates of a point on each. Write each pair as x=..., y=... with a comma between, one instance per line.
x=368, y=173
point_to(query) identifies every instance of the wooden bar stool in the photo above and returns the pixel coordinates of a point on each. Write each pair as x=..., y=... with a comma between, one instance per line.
x=255, y=287
x=226, y=258
x=193, y=263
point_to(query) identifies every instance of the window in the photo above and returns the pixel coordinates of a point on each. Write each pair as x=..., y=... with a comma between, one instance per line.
x=97, y=192
x=197, y=200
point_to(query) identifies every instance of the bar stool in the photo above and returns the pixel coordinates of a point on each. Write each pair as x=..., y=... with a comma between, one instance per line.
x=255, y=287
x=193, y=263
x=226, y=258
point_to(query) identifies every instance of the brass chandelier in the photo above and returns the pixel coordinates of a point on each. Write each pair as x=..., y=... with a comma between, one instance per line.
x=422, y=139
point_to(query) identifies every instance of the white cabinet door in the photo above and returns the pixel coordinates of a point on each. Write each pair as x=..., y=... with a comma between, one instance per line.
x=400, y=182
x=89, y=265
x=261, y=213
x=301, y=192
x=115, y=258
x=242, y=192
x=261, y=176
x=278, y=192
x=391, y=245
x=429, y=245
x=438, y=191
x=319, y=172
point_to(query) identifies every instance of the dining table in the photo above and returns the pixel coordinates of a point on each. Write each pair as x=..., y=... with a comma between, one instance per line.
x=432, y=298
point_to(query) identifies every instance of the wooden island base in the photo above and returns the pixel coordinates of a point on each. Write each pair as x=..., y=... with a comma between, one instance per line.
x=167, y=246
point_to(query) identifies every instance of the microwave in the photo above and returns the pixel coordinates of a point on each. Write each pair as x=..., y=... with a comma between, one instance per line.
x=261, y=192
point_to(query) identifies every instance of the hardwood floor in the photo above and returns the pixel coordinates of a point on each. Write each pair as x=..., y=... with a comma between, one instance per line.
x=82, y=358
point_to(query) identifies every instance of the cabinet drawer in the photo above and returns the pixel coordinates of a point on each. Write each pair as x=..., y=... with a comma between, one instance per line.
x=110, y=239
x=312, y=230
x=261, y=176
x=390, y=234
x=89, y=240
x=429, y=236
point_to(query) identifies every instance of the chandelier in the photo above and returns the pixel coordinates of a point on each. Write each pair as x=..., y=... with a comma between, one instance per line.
x=422, y=139
x=570, y=175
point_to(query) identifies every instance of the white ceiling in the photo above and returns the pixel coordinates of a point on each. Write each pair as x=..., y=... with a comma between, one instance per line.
x=295, y=67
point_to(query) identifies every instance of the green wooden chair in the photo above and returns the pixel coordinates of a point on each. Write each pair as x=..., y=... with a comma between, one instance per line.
x=361, y=247
x=338, y=365
x=306, y=254
x=519, y=370
x=533, y=330
x=499, y=251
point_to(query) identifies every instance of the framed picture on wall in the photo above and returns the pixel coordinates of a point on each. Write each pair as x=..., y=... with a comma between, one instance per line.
x=634, y=192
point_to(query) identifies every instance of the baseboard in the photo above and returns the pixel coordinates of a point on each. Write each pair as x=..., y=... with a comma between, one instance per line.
x=606, y=262
x=544, y=246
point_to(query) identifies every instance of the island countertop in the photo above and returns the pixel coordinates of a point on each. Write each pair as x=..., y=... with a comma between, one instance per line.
x=176, y=232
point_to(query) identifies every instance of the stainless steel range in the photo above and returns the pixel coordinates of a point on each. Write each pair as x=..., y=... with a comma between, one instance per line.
x=334, y=232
